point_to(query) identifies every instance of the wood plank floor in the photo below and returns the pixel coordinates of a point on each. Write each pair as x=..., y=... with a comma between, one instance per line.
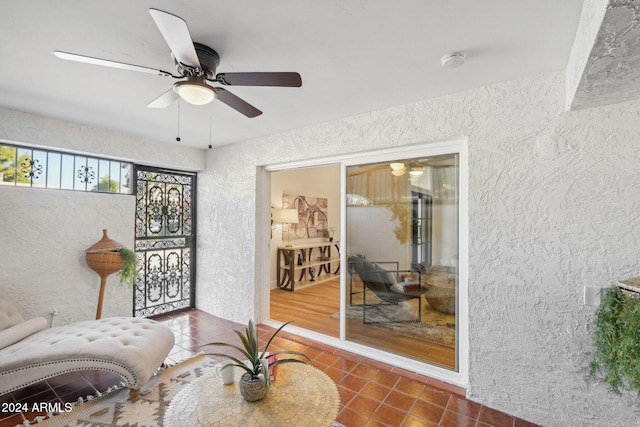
x=311, y=308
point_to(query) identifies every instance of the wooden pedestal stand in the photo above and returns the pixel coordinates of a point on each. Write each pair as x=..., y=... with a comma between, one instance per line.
x=104, y=258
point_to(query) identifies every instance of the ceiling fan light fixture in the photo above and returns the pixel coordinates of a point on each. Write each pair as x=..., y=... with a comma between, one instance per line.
x=195, y=93
x=416, y=171
x=397, y=169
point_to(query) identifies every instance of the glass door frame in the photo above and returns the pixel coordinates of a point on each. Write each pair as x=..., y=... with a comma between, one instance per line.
x=263, y=227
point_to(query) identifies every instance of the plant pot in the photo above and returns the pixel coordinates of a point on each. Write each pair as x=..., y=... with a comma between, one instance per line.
x=104, y=256
x=252, y=389
x=104, y=263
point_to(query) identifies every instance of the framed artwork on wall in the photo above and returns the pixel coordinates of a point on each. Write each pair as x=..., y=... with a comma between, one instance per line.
x=312, y=216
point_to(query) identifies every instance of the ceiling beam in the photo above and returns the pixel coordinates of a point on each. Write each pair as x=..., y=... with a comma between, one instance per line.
x=604, y=64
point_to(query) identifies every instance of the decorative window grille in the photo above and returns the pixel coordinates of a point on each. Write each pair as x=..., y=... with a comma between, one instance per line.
x=39, y=168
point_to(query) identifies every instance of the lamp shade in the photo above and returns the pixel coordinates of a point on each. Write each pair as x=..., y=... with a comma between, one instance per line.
x=290, y=216
x=276, y=215
x=285, y=216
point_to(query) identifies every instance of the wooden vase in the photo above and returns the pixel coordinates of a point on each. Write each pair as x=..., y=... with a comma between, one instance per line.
x=104, y=258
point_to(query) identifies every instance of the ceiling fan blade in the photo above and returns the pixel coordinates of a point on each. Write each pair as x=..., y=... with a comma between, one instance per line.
x=176, y=34
x=107, y=63
x=236, y=103
x=260, y=79
x=164, y=100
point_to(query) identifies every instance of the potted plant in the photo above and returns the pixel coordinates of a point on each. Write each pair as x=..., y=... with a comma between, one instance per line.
x=616, y=358
x=129, y=272
x=107, y=257
x=254, y=383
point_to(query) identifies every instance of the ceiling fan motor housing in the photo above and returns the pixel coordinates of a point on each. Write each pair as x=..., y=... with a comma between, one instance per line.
x=209, y=61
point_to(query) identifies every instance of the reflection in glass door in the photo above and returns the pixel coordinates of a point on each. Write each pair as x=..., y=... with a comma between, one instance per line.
x=402, y=227
x=421, y=223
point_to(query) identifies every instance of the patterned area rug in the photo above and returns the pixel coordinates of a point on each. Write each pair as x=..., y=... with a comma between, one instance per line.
x=402, y=319
x=114, y=409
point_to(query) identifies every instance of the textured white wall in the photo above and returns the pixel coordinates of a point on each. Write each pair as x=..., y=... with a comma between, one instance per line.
x=34, y=130
x=370, y=233
x=553, y=207
x=603, y=65
x=591, y=16
x=45, y=232
x=42, y=265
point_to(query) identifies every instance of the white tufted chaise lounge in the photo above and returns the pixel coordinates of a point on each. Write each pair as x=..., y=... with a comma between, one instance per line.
x=30, y=352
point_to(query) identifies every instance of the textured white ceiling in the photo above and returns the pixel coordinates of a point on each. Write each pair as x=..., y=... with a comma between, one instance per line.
x=354, y=57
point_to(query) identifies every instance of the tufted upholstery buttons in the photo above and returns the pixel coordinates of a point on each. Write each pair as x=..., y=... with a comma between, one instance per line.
x=131, y=347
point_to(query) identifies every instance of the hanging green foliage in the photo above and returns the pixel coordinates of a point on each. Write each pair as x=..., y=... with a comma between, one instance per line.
x=616, y=359
x=129, y=272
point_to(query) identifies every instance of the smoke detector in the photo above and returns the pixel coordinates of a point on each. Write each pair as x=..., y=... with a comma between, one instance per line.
x=452, y=60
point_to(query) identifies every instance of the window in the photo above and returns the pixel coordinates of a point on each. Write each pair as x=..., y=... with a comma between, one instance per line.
x=39, y=168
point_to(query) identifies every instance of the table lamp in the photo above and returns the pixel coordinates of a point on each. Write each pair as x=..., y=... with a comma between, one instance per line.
x=286, y=216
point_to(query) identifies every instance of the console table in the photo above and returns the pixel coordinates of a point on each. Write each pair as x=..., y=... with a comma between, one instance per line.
x=300, y=395
x=319, y=256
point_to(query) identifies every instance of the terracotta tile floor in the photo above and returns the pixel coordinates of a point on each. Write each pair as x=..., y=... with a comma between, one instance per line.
x=371, y=393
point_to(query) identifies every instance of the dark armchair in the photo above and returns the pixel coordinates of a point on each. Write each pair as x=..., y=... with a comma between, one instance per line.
x=383, y=283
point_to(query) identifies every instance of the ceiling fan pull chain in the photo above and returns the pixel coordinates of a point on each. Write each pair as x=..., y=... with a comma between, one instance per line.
x=178, y=137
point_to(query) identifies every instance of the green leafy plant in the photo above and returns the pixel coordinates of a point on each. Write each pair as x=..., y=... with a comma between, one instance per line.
x=256, y=366
x=616, y=359
x=129, y=272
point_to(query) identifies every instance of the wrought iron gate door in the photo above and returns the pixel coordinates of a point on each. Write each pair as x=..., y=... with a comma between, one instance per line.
x=165, y=241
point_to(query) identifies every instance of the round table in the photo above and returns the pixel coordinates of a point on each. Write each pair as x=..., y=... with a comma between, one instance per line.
x=301, y=395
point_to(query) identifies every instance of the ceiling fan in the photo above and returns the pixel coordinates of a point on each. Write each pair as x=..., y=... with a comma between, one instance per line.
x=196, y=64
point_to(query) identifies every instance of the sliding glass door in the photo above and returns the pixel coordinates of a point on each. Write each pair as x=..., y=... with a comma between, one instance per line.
x=397, y=220
x=402, y=242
